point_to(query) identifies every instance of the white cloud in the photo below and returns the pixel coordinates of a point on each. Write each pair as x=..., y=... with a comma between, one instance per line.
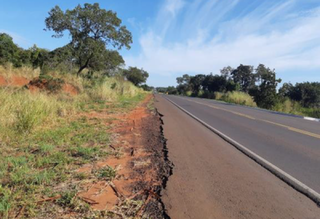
x=173, y=6
x=269, y=34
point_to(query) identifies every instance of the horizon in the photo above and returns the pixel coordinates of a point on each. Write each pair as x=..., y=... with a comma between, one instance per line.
x=176, y=37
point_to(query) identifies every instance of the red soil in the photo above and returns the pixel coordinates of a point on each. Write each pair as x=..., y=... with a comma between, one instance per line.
x=15, y=81
x=70, y=89
x=3, y=81
x=19, y=81
x=35, y=85
x=131, y=139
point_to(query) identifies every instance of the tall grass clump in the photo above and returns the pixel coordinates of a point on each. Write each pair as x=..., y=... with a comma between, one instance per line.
x=288, y=106
x=236, y=97
x=22, y=111
x=111, y=89
x=9, y=71
x=293, y=107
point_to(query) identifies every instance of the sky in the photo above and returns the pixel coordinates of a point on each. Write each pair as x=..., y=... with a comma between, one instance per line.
x=176, y=37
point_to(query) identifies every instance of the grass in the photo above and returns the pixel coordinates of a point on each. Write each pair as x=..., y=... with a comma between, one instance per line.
x=292, y=107
x=106, y=173
x=46, y=158
x=286, y=106
x=9, y=71
x=21, y=112
x=43, y=139
x=236, y=97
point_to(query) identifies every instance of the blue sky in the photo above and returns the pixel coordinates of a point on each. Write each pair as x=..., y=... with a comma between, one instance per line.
x=174, y=37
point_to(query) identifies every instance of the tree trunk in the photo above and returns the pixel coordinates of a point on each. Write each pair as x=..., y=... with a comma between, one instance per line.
x=80, y=70
x=83, y=67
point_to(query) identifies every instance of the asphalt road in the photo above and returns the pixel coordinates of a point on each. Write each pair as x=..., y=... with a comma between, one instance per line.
x=212, y=179
x=288, y=142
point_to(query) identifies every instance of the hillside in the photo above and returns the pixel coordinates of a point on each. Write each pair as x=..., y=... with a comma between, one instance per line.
x=72, y=147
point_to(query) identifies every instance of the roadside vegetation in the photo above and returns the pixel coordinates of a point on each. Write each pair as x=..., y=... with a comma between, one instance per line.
x=45, y=133
x=251, y=86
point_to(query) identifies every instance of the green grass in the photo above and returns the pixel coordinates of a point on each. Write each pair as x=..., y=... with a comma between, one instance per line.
x=292, y=107
x=106, y=173
x=47, y=158
x=236, y=97
x=43, y=140
x=286, y=106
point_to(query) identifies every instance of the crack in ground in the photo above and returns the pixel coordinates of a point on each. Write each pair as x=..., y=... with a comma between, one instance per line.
x=168, y=163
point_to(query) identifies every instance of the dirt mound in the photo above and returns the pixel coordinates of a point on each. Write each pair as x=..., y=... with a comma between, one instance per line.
x=70, y=89
x=52, y=86
x=3, y=81
x=14, y=81
x=19, y=81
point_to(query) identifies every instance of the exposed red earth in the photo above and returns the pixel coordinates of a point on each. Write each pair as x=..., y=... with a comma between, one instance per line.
x=35, y=85
x=140, y=164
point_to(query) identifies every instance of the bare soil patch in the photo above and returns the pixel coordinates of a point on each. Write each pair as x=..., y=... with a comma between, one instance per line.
x=18, y=81
x=140, y=168
x=3, y=81
x=14, y=81
x=139, y=160
x=36, y=85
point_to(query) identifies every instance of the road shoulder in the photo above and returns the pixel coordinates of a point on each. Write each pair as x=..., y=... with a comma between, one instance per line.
x=211, y=179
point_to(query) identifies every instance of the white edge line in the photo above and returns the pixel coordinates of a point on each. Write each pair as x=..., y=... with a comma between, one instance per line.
x=311, y=119
x=287, y=178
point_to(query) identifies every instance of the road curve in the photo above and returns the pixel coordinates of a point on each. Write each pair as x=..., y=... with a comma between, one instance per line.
x=212, y=179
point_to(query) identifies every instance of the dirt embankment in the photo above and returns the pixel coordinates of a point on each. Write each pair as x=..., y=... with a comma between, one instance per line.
x=37, y=85
x=141, y=165
x=14, y=81
x=142, y=168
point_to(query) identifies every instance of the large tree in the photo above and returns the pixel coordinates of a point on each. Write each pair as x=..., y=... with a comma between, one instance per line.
x=183, y=84
x=265, y=94
x=307, y=94
x=135, y=75
x=226, y=72
x=243, y=75
x=196, y=83
x=9, y=52
x=92, y=29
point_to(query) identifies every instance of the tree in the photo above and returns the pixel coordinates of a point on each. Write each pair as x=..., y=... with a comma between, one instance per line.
x=265, y=94
x=310, y=94
x=226, y=72
x=92, y=31
x=196, y=83
x=9, y=52
x=244, y=76
x=172, y=90
x=135, y=75
x=183, y=84
x=214, y=83
x=307, y=94
x=286, y=90
x=147, y=87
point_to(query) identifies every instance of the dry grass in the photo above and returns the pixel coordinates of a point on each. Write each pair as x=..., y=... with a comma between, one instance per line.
x=22, y=112
x=42, y=138
x=8, y=71
x=236, y=97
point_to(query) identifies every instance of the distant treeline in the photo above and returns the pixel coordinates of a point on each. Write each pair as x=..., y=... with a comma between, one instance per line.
x=260, y=83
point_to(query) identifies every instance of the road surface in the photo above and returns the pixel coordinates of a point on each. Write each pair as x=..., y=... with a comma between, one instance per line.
x=212, y=179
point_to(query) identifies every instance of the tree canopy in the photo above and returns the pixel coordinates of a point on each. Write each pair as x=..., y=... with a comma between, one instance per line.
x=135, y=75
x=93, y=31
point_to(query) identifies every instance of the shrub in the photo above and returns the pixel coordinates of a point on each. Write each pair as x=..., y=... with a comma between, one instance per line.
x=236, y=97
